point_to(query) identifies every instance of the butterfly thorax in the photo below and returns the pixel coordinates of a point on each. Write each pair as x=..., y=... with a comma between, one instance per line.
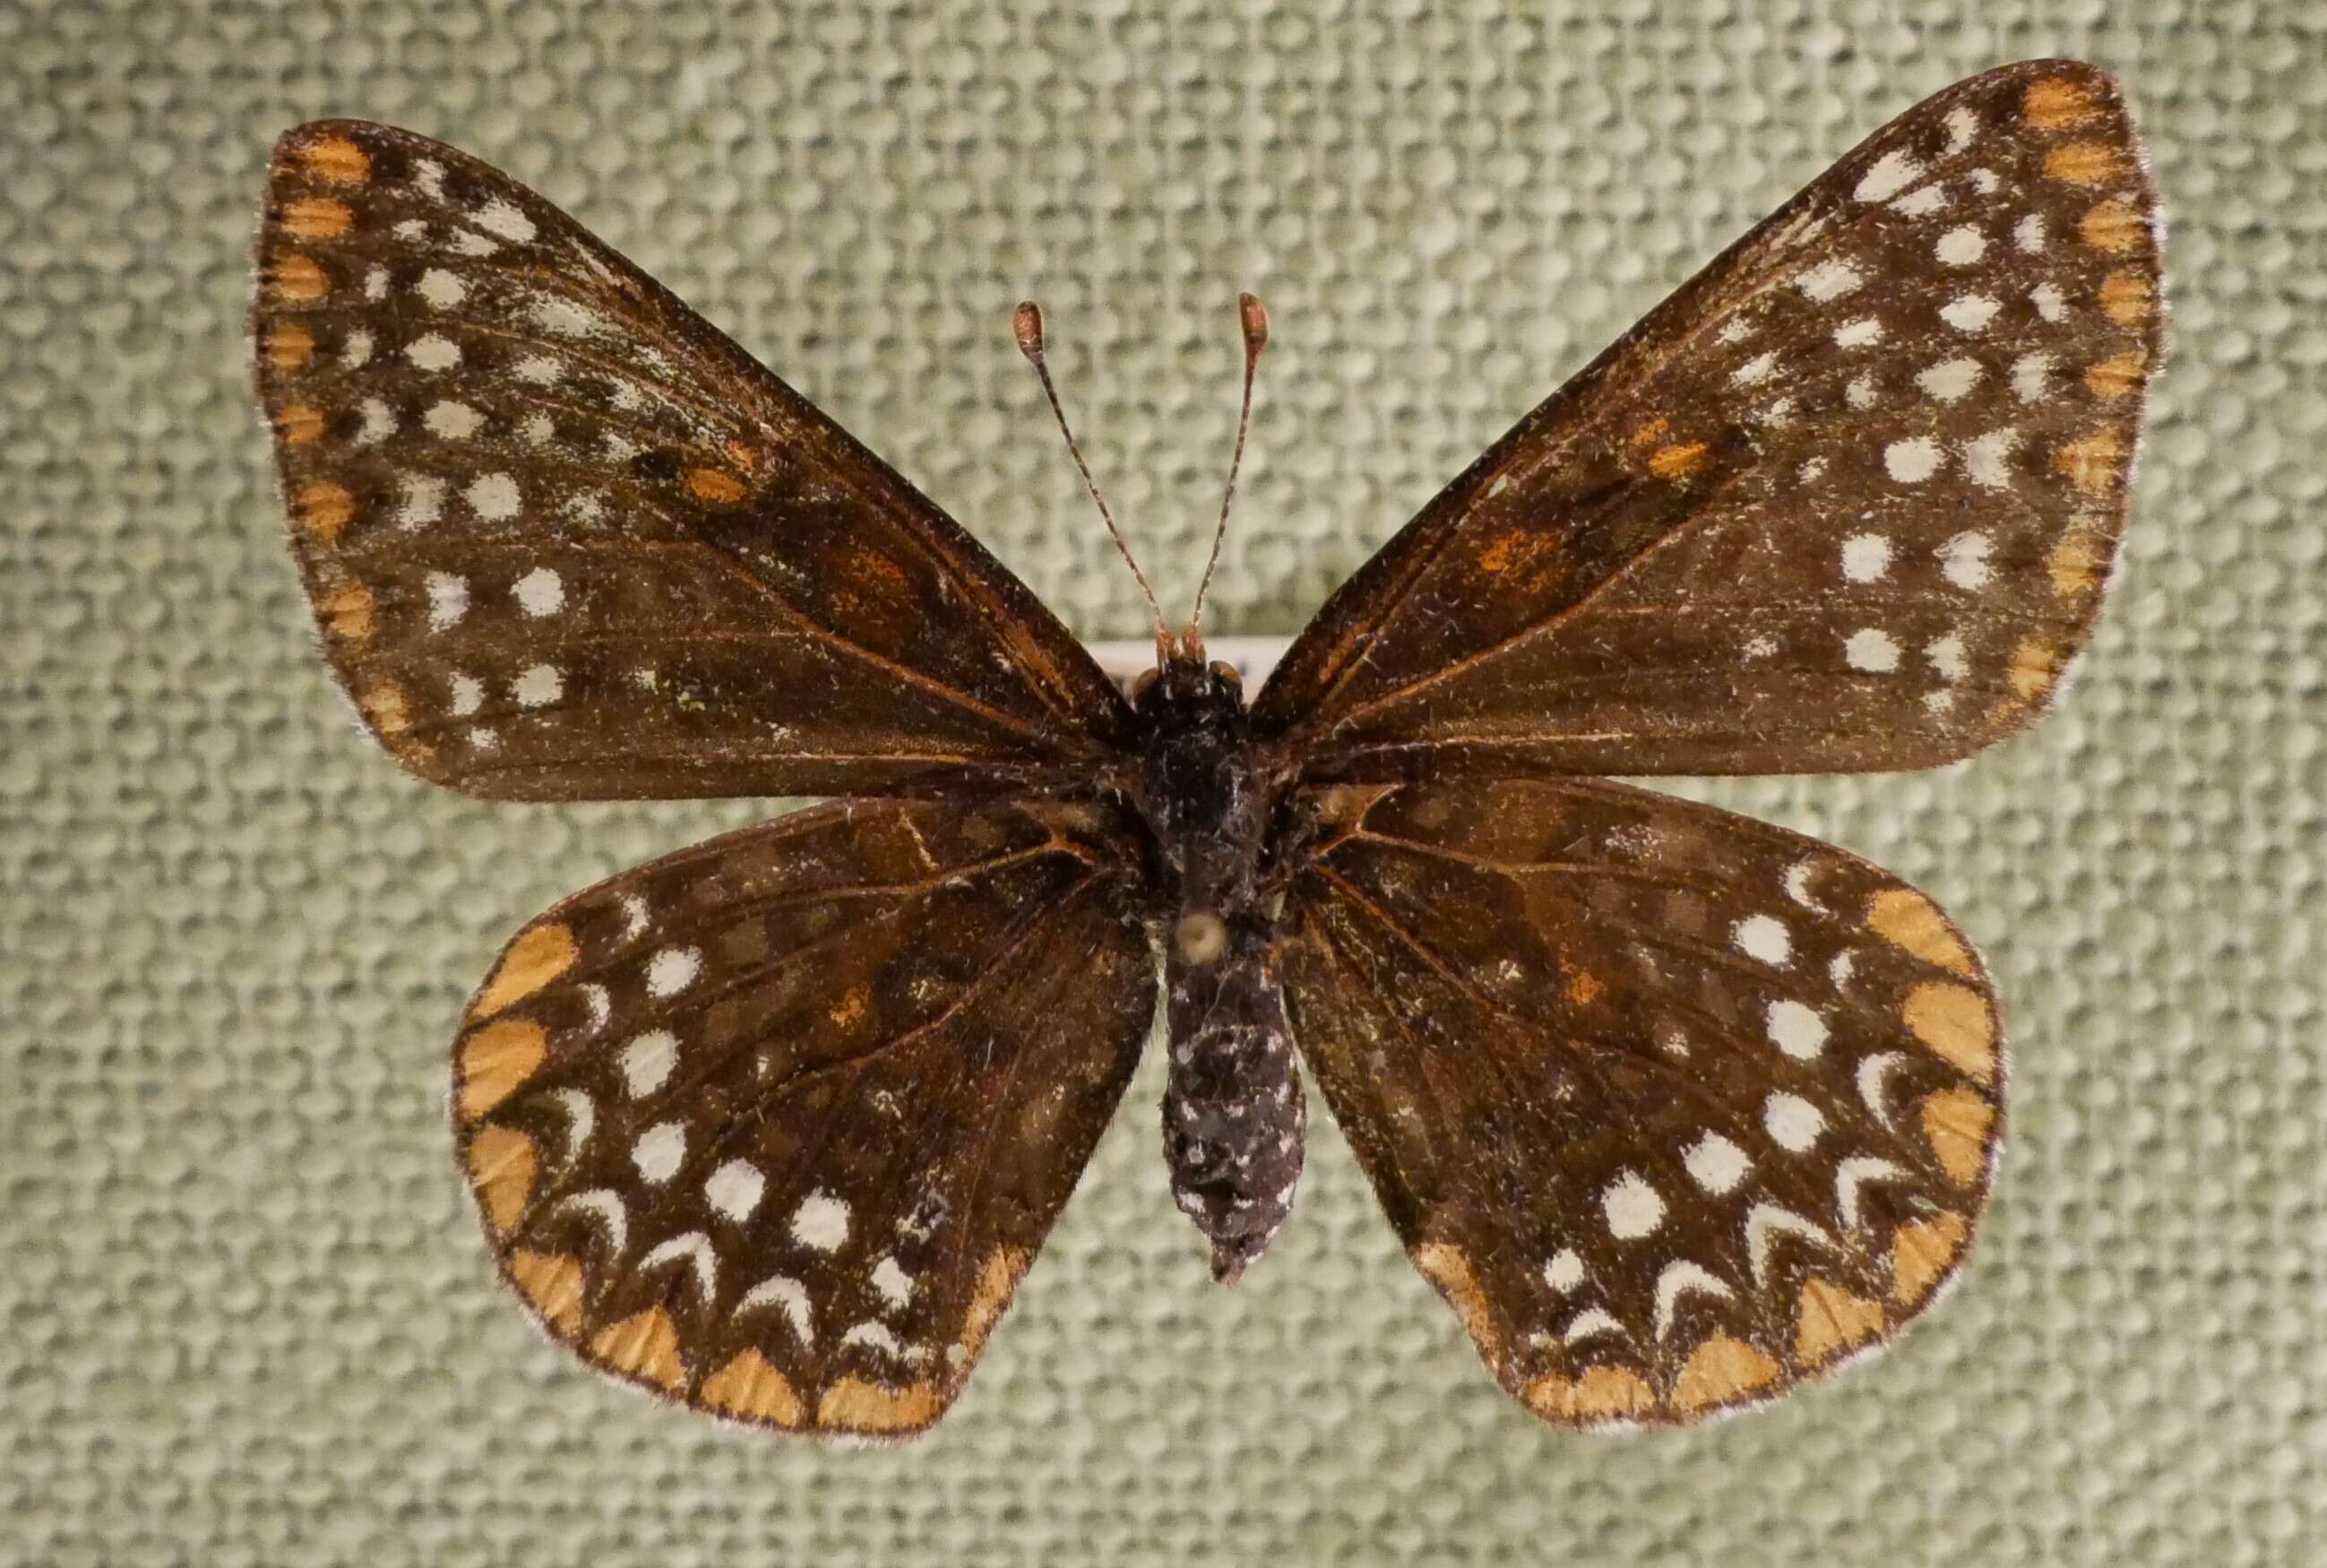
x=1233, y=1112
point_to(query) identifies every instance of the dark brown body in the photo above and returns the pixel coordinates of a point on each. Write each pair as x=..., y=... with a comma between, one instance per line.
x=1233, y=1112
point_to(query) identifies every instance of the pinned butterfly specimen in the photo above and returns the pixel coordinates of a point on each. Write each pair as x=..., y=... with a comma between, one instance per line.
x=1674, y=1108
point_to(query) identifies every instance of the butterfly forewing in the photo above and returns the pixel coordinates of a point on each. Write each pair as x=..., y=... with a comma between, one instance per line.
x=564, y=540
x=1676, y=1108
x=773, y=1125
x=1847, y=500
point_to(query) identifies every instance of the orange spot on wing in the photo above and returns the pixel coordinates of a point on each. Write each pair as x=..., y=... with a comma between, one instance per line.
x=750, y=1388
x=1907, y=920
x=1955, y=1023
x=502, y=1162
x=333, y=158
x=347, y=610
x=2126, y=297
x=385, y=706
x=850, y=1008
x=1601, y=1394
x=318, y=218
x=1654, y=430
x=1450, y=1271
x=714, y=485
x=2091, y=462
x=497, y=1061
x=644, y=1345
x=2032, y=668
x=298, y=423
x=323, y=508
x=1721, y=1371
x=1677, y=462
x=1831, y=1320
x=996, y=1280
x=552, y=1282
x=1583, y=987
x=2056, y=103
x=2113, y=226
x=1923, y=1252
x=298, y=276
x=1957, y=1122
x=859, y=1404
x=287, y=347
x=2075, y=564
x=2084, y=162
x=2113, y=377
x=536, y=959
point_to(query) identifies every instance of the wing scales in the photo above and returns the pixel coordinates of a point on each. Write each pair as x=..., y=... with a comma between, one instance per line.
x=566, y=541
x=773, y=1125
x=1871, y=465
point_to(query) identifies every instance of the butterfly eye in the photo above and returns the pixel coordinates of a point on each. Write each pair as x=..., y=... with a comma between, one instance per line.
x=1142, y=686
x=1228, y=675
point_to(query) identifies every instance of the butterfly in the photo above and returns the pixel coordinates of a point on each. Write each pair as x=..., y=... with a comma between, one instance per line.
x=1675, y=1109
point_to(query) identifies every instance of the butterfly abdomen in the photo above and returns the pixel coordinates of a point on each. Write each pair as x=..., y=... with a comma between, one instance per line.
x=1233, y=1114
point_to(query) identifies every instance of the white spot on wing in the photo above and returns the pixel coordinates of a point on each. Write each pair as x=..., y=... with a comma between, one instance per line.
x=673, y=970
x=1866, y=557
x=788, y=1293
x=1911, y=460
x=494, y=497
x=1947, y=657
x=448, y=601
x=468, y=695
x=1858, y=334
x=1763, y=937
x=432, y=351
x=1683, y=1278
x=1716, y=1164
x=1987, y=458
x=1968, y=313
x=893, y=1284
x=1756, y=369
x=2028, y=234
x=503, y=217
x=1891, y=173
x=821, y=1222
x=696, y=1248
x=1792, y=1123
x=1565, y=1271
x=441, y=289
x=450, y=421
x=1854, y=1174
x=1950, y=380
x=1961, y=246
x=1963, y=561
x=735, y=1189
x=1870, y=1082
x=1795, y=1029
x=647, y=1061
x=1765, y=1223
x=2048, y=300
x=537, y=686
x=1632, y=1207
x=1830, y=279
x=660, y=1151
x=581, y=1119
x=540, y=592
x=1870, y=649
x=1589, y=1325
x=604, y=1205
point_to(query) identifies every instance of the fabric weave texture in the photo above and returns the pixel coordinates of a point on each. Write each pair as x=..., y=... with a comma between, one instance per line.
x=249, y=1318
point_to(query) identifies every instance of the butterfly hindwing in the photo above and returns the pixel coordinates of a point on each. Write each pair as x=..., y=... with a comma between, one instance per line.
x=1847, y=500
x=773, y=1125
x=1676, y=1108
x=564, y=540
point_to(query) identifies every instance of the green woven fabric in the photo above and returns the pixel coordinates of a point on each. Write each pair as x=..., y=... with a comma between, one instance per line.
x=246, y=1314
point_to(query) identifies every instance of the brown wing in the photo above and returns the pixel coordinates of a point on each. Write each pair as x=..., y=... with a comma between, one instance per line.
x=1674, y=1108
x=1847, y=500
x=773, y=1126
x=566, y=541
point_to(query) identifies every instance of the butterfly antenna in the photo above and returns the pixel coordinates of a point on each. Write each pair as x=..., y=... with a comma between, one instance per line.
x=1254, y=316
x=1028, y=327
